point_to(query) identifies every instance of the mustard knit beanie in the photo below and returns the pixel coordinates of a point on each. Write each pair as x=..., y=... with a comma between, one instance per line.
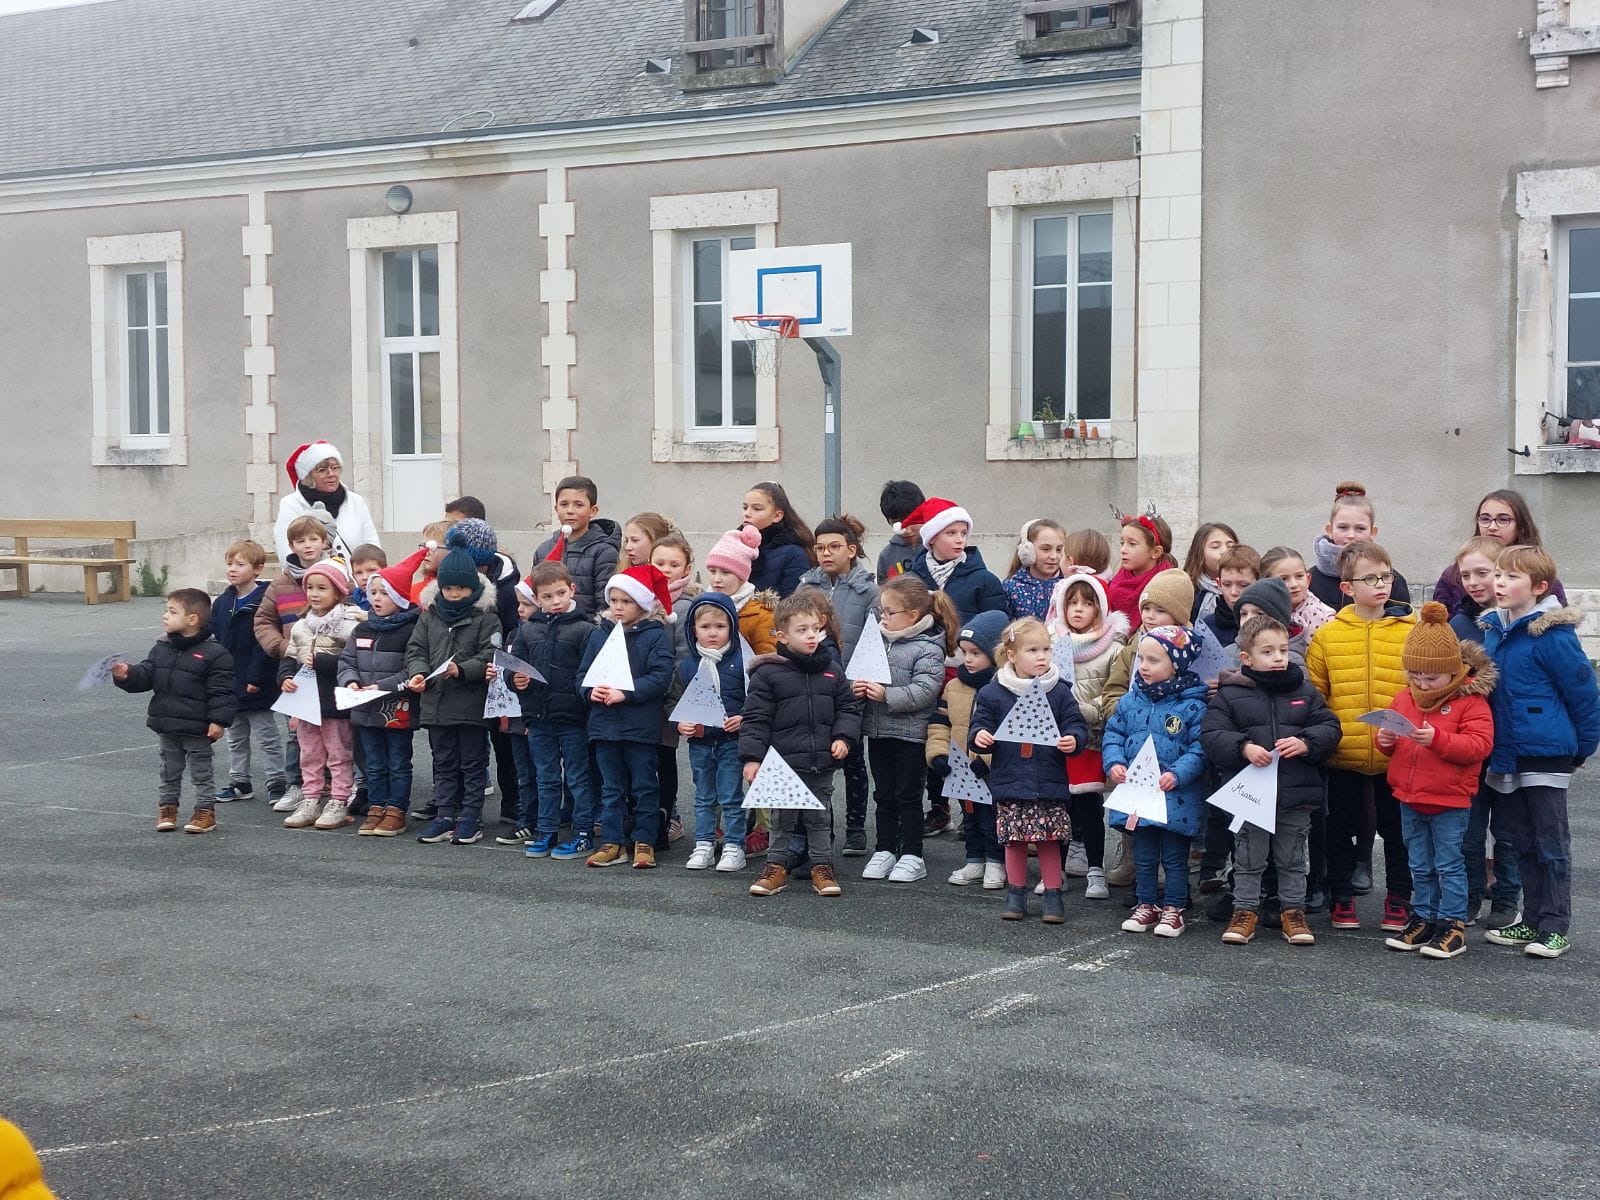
x=1432, y=647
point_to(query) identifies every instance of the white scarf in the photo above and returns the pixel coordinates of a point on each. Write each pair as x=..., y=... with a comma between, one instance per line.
x=328, y=624
x=746, y=590
x=941, y=571
x=1016, y=684
x=895, y=635
x=713, y=656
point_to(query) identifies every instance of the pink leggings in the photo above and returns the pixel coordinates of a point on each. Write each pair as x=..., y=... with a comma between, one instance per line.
x=327, y=745
x=1049, y=864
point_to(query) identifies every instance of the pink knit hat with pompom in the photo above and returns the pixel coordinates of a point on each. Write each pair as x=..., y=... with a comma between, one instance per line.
x=736, y=551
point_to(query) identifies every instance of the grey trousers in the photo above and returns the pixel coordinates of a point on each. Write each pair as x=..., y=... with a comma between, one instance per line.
x=1253, y=848
x=262, y=725
x=176, y=748
x=815, y=823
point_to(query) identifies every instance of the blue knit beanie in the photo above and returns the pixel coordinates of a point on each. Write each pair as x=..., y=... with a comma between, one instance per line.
x=984, y=631
x=476, y=537
x=457, y=569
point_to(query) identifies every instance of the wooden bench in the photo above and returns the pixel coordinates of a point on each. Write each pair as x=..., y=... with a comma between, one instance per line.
x=119, y=566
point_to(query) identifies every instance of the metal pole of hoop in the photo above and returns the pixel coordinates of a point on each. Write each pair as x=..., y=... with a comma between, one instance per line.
x=765, y=334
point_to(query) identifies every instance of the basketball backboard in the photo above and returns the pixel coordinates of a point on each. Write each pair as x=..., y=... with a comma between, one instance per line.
x=811, y=283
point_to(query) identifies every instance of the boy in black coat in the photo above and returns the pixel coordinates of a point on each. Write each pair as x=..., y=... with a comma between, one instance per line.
x=191, y=676
x=255, y=676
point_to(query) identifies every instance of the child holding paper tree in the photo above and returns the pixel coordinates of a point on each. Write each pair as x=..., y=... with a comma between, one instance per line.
x=316, y=640
x=711, y=626
x=1166, y=704
x=1268, y=707
x=951, y=725
x=799, y=703
x=1029, y=777
x=1433, y=770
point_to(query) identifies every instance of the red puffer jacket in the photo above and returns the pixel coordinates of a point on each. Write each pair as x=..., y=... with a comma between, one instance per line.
x=1445, y=774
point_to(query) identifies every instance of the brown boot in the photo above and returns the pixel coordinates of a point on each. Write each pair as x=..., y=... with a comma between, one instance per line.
x=644, y=856
x=1242, y=928
x=375, y=817
x=774, y=879
x=203, y=821
x=167, y=818
x=1296, y=929
x=391, y=823
x=823, y=882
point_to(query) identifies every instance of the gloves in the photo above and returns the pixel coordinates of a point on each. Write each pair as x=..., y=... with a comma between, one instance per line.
x=980, y=768
x=941, y=765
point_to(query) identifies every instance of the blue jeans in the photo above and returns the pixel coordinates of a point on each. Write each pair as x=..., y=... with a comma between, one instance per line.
x=1154, y=847
x=1438, y=870
x=628, y=769
x=1507, y=879
x=527, y=799
x=388, y=766
x=561, y=753
x=717, y=775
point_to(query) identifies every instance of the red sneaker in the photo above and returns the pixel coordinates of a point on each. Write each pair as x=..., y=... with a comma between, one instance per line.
x=755, y=843
x=1396, y=914
x=1343, y=915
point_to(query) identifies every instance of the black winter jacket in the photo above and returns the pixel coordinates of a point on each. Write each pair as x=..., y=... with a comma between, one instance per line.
x=233, y=619
x=192, y=682
x=377, y=658
x=555, y=645
x=1244, y=711
x=800, y=704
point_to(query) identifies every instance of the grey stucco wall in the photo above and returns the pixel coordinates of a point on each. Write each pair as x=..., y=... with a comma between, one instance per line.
x=1359, y=268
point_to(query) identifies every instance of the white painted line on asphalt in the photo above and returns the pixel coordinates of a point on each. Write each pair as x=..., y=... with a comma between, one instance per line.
x=1003, y=1005
x=715, y=1143
x=1016, y=966
x=877, y=1064
x=51, y=762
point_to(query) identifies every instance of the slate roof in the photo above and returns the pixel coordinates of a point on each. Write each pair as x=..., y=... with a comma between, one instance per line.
x=139, y=81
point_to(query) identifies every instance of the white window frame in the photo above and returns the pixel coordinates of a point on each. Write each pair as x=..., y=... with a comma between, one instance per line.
x=1069, y=399
x=156, y=438
x=725, y=430
x=676, y=223
x=1561, y=303
x=111, y=260
x=413, y=346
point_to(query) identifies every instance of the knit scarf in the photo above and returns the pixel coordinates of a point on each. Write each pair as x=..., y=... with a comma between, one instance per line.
x=746, y=590
x=1326, y=554
x=1276, y=682
x=1226, y=617
x=296, y=571
x=1155, y=692
x=812, y=664
x=1016, y=684
x=941, y=571
x=1086, y=647
x=675, y=587
x=324, y=624
x=1125, y=588
x=975, y=679
x=713, y=655
x=910, y=631
x=452, y=612
x=1428, y=701
x=396, y=620
x=332, y=501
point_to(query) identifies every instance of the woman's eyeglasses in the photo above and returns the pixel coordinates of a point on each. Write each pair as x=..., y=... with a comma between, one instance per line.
x=1496, y=521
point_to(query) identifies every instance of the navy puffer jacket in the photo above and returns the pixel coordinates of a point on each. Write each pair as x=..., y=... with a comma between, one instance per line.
x=1020, y=773
x=638, y=718
x=972, y=587
x=554, y=645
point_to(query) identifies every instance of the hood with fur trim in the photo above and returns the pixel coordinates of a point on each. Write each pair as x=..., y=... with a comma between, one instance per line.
x=430, y=593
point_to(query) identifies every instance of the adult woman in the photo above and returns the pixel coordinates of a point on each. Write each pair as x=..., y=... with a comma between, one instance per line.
x=314, y=471
x=1504, y=516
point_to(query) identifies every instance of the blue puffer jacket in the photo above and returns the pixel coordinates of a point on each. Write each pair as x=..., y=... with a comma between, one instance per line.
x=780, y=563
x=1546, y=704
x=972, y=587
x=638, y=718
x=1174, y=722
x=730, y=671
x=1019, y=773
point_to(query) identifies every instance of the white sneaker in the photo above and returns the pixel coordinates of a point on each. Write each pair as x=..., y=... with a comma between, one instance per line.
x=289, y=801
x=994, y=876
x=878, y=866
x=304, y=813
x=703, y=857
x=962, y=876
x=908, y=869
x=732, y=858
x=1096, y=890
x=336, y=815
x=1077, y=862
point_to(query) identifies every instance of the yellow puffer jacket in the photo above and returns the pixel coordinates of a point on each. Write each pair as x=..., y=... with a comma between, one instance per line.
x=20, y=1177
x=1355, y=664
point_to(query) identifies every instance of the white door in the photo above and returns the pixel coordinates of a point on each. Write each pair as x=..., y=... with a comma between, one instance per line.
x=413, y=467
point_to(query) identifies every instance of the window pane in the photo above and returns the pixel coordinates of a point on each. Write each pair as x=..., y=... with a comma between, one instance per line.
x=1094, y=249
x=1583, y=330
x=1099, y=14
x=1049, y=351
x=708, y=364
x=708, y=270
x=1583, y=260
x=138, y=303
x=744, y=383
x=429, y=366
x=397, y=315
x=742, y=243
x=138, y=369
x=163, y=418
x=161, y=297
x=402, y=399
x=1583, y=393
x=428, y=284
x=1050, y=250
x=1094, y=353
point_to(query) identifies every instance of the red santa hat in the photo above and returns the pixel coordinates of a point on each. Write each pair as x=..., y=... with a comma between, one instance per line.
x=397, y=579
x=934, y=515
x=310, y=454
x=524, y=588
x=645, y=586
x=558, y=548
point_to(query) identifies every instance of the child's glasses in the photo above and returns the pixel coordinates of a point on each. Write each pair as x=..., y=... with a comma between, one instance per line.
x=1374, y=581
x=1496, y=520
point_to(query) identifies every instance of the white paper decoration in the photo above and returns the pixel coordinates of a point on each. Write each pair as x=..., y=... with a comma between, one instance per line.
x=962, y=783
x=610, y=667
x=1141, y=795
x=1251, y=795
x=304, y=703
x=701, y=703
x=869, y=662
x=777, y=786
x=1030, y=721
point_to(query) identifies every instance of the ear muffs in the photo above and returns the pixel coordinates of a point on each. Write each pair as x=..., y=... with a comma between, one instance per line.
x=1026, y=555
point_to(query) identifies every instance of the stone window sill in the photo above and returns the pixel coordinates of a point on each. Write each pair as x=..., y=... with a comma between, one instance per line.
x=174, y=454
x=1001, y=446
x=1558, y=460
x=671, y=446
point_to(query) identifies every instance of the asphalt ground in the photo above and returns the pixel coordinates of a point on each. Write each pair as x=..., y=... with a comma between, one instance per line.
x=272, y=1014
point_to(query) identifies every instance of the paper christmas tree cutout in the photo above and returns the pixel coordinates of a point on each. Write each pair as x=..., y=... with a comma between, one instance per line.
x=1141, y=795
x=1061, y=657
x=1030, y=721
x=510, y=664
x=701, y=702
x=746, y=654
x=869, y=662
x=304, y=703
x=1214, y=658
x=610, y=667
x=501, y=700
x=1387, y=718
x=962, y=783
x=1251, y=795
x=777, y=786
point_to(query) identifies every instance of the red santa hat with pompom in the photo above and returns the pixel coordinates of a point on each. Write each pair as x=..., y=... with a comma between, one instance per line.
x=558, y=548
x=310, y=454
x=934, y=515
x=397, y=580
x=645, y=586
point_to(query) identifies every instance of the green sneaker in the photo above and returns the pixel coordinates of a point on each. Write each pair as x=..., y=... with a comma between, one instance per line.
x=1551, y=945
x=1520, y=934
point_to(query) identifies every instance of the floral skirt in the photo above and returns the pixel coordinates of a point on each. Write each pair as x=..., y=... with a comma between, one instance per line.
x=1033, y=820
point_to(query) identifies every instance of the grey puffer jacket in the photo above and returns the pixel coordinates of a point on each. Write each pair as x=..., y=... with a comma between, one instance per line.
x=916, y=664
x=852, y=596
x=377, y=658
x=591, y=560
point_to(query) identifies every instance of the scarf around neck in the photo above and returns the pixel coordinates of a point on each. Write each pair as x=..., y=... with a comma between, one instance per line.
x=324, y=624
x=975, y=679
x=941, y=571
x=1276, y=682
x=910, y=631
x=746, y=590
x=814, y=663
x=1429, y=701
x=1167, y=687
x=332, y=501
x=393, y=621
x=296, y=570
x=1016, y=684
x=1087, y=647
x=452, y=612
x=1326, y=554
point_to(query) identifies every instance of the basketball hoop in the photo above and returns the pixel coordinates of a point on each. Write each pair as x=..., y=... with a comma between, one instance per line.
x=765, y=333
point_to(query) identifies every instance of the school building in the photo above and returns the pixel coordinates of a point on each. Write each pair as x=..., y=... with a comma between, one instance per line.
x=482, y=245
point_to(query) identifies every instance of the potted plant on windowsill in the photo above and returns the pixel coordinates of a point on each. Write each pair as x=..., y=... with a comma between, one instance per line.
x=1024, y=431
x=1049, y=423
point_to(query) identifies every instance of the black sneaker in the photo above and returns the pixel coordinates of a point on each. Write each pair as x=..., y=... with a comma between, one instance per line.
x=855, y=843
x=1220, y=910
x=276, y=791
x=936, y=822
x=515, y=837
x=1214, y=881
x=1449, y=939
x=1361, y=877
x=1503, y=917
x=426, y=813
x=359, y=803
x=1316, y=901
x=1272, y=913
x=1414, y=936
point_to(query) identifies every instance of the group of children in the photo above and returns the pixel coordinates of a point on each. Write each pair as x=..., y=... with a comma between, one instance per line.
x=1237, y=659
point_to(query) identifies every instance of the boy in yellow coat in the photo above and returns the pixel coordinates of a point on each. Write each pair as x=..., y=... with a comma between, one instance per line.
x=1355, y=662
x=20, y=1175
